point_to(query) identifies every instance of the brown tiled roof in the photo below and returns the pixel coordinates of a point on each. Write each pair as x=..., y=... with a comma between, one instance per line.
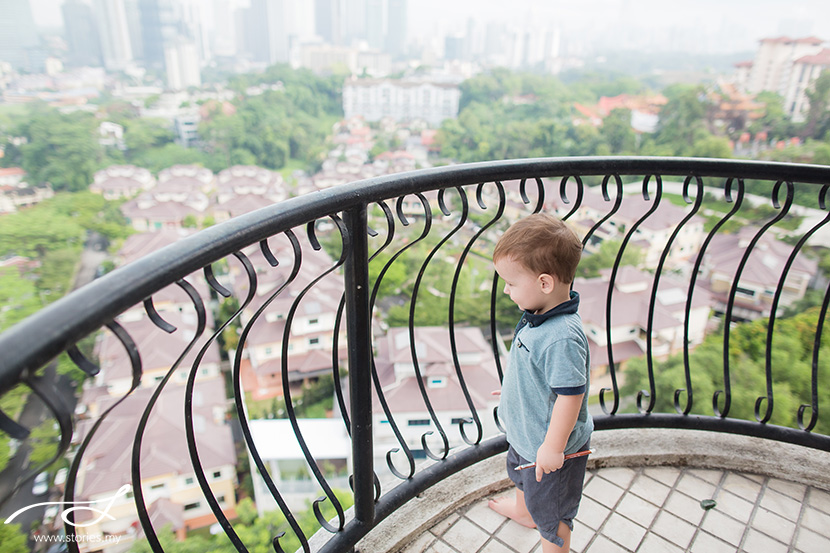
x=106, y=464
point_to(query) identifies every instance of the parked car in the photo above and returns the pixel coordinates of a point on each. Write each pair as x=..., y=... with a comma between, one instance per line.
x=41, y=485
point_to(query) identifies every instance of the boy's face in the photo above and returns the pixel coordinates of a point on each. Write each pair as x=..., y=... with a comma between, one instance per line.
x=531, y=292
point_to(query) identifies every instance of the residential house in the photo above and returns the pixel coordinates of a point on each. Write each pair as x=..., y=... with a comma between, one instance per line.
x=181, y=193
x=311, y=335
x=760, y=276
x=651, y=235
x=241, y=189
x=121, y=181
x=23, y=195
x=402, y=100
x=187, y=178
x=436, y=361
x=11, y=176
x=278, y=447
x=160, y=351
x=168, y=479
x=630, y=315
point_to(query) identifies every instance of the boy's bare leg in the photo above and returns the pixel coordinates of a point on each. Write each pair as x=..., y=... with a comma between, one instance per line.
x=563, y=532
x=514, y=508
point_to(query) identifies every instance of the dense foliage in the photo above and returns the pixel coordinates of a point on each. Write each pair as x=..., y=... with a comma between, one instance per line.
x=791, y=363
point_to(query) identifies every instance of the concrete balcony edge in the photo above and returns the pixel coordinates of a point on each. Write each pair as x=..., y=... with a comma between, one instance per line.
x=614, y=448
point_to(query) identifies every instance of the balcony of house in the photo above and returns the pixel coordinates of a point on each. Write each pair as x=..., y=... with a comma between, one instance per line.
x=322, y=370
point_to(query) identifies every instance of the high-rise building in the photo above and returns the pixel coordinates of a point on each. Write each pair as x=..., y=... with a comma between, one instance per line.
x=81, y=34
x=354, y=21
x=158, y=28
x=134, y=27
x=774, y=61
x=19, y=40
x=396, y=36
x=181, y=61
x=328, y=20
x=223, y=36
x=111, y=17
x=374, y=24
x=274, y=27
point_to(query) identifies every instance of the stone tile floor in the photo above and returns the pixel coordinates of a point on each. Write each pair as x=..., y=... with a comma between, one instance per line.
x=658, y=509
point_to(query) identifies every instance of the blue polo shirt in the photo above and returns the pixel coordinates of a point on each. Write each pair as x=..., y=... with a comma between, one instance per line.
x=549, y=357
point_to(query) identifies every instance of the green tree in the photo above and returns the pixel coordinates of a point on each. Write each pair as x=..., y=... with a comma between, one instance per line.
x=33, y=232
x=143, y=134
x=712, y=146
x=682, y=117
x=617, y=132
x=605, y=257
x=61, y=149
x=818, y=118
x=18, y=296
x=792, y=350
x=12, y=538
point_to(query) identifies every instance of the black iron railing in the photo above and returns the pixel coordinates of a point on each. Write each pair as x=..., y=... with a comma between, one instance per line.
x=399, y=242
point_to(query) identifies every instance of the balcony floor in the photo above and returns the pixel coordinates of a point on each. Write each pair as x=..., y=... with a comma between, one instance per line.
x=657, y=509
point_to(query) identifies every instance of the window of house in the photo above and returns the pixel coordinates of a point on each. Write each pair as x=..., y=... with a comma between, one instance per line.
x=418, y=422
x=192, y=506
x=217, y=474
x=188, y=481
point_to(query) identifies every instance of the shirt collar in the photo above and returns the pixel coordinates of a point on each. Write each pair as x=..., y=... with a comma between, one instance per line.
x=565, y=308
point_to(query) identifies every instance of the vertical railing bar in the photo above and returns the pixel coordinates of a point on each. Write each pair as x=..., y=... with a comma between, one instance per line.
x=359, y=336
x=774, y=309
x=727, y=391
x=814, y=370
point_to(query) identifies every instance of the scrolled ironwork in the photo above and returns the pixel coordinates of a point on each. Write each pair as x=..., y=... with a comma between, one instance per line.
x=34, y=343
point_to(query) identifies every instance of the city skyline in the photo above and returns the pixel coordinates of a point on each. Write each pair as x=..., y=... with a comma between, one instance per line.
x=732, y=26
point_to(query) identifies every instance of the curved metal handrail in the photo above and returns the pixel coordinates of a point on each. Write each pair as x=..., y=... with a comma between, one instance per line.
x=57, y=328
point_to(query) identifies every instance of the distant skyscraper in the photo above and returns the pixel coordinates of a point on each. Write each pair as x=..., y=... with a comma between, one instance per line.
x=396, y=38
x=81, y=34
x=273, y=27
x=158, y=28
x=181, y=61
x=111, y=17
x=18, y=35
x=224, y=30
x=328, y=20
x=374, y=24
x=134, y=27
x=354, y=20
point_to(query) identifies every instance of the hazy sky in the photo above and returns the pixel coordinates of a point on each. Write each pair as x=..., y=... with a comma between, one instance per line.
x=745, y=20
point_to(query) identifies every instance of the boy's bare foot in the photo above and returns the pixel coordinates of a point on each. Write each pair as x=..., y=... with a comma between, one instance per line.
x=506, y=506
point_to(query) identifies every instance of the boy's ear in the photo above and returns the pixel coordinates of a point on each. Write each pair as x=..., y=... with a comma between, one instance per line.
x=547, y=283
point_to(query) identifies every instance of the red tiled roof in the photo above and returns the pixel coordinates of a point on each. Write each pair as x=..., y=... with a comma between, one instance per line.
x=10, y=171
x=822, y=58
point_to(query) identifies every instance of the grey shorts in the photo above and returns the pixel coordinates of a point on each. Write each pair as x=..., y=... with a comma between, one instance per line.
x=554, y=499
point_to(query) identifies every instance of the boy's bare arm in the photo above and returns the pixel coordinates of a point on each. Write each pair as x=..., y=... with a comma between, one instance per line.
x=551, y=455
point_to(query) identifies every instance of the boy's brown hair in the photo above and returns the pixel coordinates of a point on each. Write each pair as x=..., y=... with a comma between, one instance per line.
x=543, y=244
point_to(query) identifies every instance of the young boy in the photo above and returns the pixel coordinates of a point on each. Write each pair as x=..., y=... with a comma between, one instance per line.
x=544, y=396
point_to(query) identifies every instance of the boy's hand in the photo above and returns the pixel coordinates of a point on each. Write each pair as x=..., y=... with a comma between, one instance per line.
x=548, y=460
